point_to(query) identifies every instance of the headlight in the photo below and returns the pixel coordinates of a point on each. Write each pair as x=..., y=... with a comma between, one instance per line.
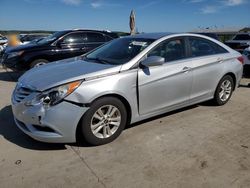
x=55, y=95
x=14, y=54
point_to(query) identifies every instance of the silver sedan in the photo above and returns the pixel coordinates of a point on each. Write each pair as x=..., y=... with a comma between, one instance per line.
x=125, y=81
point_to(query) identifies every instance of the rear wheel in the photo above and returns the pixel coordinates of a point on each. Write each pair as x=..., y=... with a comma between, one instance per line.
x=104, y=121
x=224, y=90
x=38, y=62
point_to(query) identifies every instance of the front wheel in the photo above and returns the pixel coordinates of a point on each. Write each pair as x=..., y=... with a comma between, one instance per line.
x=104, y=121
x=224, y=90
x=38, y=63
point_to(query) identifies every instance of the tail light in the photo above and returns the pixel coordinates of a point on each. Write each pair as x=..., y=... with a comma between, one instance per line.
x=241, y=59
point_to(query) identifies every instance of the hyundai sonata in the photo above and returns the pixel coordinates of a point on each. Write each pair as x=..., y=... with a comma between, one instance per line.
x=122, y=82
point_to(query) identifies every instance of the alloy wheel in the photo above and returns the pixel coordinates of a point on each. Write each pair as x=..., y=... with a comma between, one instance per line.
x=105, y=121
x=225, y=90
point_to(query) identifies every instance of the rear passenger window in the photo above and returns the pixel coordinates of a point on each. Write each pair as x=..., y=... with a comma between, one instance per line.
x=108, y=38
x=171, y=50
x=203, y=47
x=95, y=37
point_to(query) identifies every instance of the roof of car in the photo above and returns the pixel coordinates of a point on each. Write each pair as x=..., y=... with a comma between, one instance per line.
x=107, y=32
x=243, y=34
x=151, y=35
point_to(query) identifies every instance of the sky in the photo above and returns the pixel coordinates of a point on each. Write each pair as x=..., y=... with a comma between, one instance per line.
x=151, y=16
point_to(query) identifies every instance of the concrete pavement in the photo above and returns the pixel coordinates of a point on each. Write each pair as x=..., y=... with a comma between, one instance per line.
x=200, y=146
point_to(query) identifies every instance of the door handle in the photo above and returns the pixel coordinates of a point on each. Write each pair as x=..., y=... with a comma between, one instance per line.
x=186, y=69
x=220, y=60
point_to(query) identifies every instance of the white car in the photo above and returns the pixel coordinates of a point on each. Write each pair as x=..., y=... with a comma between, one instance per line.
x=246, y=56
x=3, y=43
x=239, y=42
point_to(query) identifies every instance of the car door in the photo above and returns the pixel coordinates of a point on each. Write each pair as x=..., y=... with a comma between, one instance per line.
x=168, y=85
x=207, y=67
x=71, y=45
x=94, y=39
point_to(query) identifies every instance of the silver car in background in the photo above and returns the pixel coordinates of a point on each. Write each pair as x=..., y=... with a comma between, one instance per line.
x=122, y=82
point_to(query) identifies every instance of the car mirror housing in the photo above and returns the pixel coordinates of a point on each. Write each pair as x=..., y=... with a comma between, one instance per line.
x=153, y=61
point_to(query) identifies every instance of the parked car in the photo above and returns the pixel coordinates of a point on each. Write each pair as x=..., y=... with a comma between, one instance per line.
x=246, y=56
x=3, y=40
x=27, y=38
x=60, y=45
x=239, y=42
x=125, y=81
x=3, y=43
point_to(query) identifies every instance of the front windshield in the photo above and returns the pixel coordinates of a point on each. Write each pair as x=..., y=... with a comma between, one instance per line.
x=52, y=37
x=119, y=51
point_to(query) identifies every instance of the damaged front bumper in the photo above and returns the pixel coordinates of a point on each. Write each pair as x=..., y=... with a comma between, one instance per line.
x=54, y=124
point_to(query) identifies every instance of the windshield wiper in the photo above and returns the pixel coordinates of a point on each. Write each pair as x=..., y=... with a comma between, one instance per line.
x=102, y=61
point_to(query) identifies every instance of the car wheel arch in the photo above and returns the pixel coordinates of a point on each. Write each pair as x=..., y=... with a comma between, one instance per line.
x=227, y=74
x=115, y=95
x=36, y=59
x=234, y=78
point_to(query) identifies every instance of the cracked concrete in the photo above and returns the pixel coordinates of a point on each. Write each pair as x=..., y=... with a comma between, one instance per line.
x=199, y=146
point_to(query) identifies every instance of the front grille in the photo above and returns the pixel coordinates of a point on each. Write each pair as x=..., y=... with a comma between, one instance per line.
x=21, y=93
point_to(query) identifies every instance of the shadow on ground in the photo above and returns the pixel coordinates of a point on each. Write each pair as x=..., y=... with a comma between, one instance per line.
x=11, y=133
x=9, y=76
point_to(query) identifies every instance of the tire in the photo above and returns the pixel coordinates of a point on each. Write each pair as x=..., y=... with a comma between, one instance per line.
x=95, y=122
x=224, y=91
x=38, y=62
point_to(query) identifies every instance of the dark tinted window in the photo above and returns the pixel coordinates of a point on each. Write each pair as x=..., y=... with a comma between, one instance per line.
x=74, y=38
x=242, y=37
x=171, y=50
x=108, y=38
x=95, y=37
x=203, y=47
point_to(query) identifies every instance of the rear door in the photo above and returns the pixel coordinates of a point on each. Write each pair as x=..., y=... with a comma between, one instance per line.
x=207, y=58
x=168, y=85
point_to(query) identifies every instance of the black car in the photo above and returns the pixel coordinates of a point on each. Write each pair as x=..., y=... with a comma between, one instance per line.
x=60, y=45
x=31, y=37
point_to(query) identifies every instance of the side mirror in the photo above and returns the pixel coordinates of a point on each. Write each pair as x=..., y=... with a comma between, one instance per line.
x=153, y=61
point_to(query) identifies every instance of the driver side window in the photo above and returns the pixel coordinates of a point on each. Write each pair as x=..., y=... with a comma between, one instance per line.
x=170, y=50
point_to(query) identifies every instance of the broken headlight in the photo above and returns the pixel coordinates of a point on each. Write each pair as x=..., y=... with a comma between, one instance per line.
x=55, y=95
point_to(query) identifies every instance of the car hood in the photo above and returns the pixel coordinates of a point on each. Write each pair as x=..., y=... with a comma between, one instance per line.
x=22, y=47
x=237, y=41
x=64, y=71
